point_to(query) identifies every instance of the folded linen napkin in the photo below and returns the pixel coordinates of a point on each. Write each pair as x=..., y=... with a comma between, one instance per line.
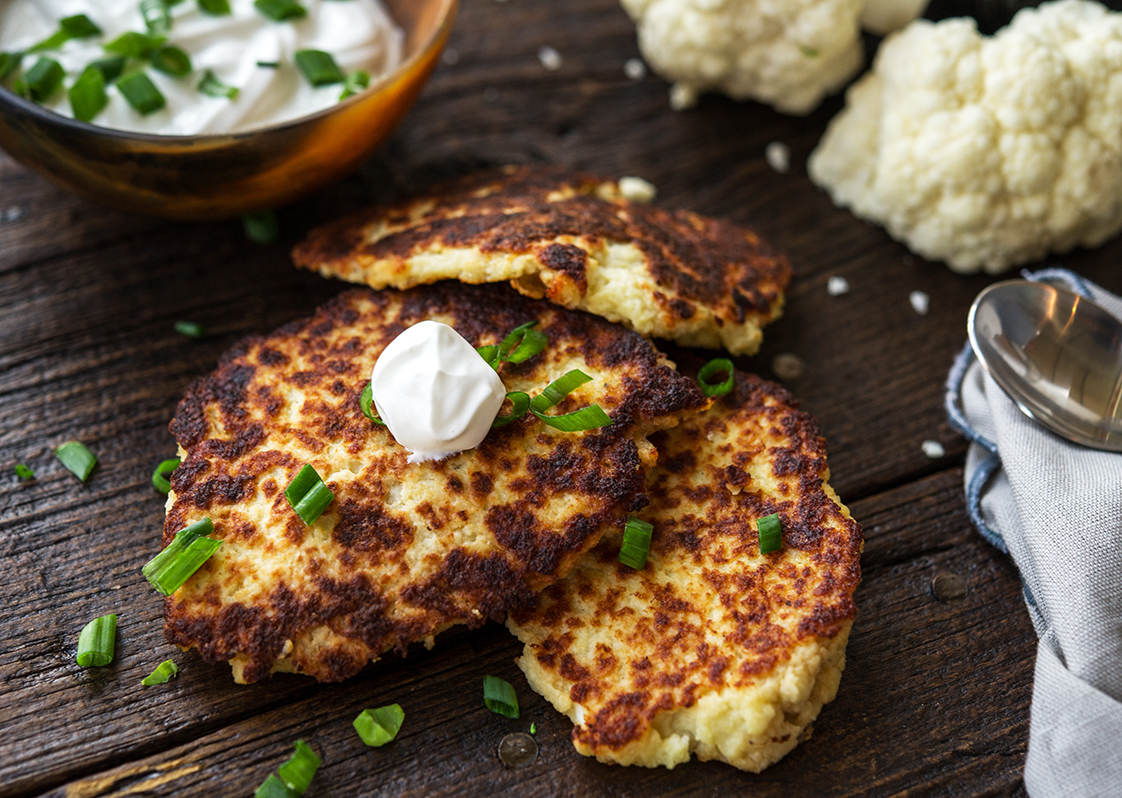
x=1056, y=508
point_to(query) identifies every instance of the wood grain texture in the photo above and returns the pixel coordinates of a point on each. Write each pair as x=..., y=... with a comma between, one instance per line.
x=935, y=696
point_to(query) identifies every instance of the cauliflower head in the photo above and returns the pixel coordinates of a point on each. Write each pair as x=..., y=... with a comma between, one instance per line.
x=787, y=53
x=986, y=152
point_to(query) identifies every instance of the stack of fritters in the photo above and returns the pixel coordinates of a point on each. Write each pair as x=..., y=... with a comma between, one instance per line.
x=712, y=649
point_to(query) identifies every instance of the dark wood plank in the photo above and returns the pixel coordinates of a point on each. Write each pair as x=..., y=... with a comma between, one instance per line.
x=916, y=710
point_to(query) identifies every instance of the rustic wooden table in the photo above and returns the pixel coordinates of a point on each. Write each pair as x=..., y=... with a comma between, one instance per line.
x=935, y=697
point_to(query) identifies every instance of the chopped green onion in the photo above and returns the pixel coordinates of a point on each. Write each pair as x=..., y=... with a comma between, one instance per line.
x=590, y=417
x=355, y=83
x=216, y=8
x=135, y=45
x=23, y=472
x=308, y=495
x=41, y=81
x=376, y=727
x=771, y=533
x=490, y=354
x=280, y=10
x=78, y=26
x=163, y=471
x=87, y=95
x=157, y=16
x=809, y=52
x=141, y=93
x=366, y=402
x=558, y=390
x=9, y=62
x=261, y=227
x=211, y=86
x=79, y=460
x=97, y=642
x=521, y=402
x=533, y=728
x=171, y=61
x=522, y=343
x=636, y=543
x=110, y=68
x=319, y=67
x=269, y=64
x=164, y=671
x=173, y=566
x=273, y=787
x=720, y=365
x=500, y=697
x=190, y=329
x=297, y=773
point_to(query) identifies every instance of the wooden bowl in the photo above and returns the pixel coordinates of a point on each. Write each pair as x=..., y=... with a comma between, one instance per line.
x=223, y=176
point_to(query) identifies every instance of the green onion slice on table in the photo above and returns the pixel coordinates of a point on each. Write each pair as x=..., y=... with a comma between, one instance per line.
x=173, y=566
x=636, y=543
x=79, y=460
x=376, y=727
x=499, y=697
x=23, y=472
x=261, y=227
x=319, y=67
x=98, y=641
x=308, y=495
x=720, y=365
x=164, y=671
x=293, y=777
x=587, y=418
x=161, y=476
x=771, y=533
x=190, y=329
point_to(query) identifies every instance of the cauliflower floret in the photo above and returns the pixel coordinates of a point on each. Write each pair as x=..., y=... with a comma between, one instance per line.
x=986, y=152
x=787, y=53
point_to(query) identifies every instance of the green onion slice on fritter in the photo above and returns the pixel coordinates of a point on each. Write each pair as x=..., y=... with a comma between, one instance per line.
x=771, y=533
x=720, y=365
x=636, y=543
x=173, y=566
x=308, y=495
x=161, y=476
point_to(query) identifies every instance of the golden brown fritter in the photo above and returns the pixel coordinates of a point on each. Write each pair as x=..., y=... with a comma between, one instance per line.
x=712, y=649
x=574, y=240
x=404, y=551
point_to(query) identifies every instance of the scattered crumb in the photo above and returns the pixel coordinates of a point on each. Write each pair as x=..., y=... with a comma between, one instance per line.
x=788, y=366
x=637, y=189
x=920, y=302
x=933, y=449
x=12, y=213
x=778, y=157
x=451, y=56
x=550, y=58
x=635, y=69
x=836, y=286
x=491, y=94
x=682, y=97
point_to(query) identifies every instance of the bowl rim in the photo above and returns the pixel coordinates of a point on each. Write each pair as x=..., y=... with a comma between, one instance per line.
x=7, y=96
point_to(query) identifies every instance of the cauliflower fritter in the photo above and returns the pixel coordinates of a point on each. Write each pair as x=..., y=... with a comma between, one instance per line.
x=712, y=649
x=987, y=152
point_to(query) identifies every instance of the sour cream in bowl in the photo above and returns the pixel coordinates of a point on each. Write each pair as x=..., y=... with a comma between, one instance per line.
x=262, y=132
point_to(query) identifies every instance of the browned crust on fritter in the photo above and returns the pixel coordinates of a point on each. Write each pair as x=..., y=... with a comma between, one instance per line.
x=694, y=260
x=351, y=578
x=706, y=494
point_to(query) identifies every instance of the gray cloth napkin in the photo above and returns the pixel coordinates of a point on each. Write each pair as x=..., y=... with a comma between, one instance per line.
x=1056, y=509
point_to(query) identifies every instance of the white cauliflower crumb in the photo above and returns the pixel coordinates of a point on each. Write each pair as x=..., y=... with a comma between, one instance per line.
x=836, y=286
x=986, y=152
x=920, y=302
x=635, y=69
x=788, y=366
x=550, y=58
x=778, y=157
x=637, y=189
x=788, y=54
x=682, y=97
x=933, y=449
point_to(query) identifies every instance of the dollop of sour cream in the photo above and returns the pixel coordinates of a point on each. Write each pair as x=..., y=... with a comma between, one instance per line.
x=434, y=392
x=358, y=34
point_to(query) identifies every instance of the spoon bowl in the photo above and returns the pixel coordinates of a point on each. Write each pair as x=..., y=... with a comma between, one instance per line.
x=1056, y=354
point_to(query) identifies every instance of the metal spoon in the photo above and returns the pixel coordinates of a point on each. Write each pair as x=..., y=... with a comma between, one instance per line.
x=1057, y=355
